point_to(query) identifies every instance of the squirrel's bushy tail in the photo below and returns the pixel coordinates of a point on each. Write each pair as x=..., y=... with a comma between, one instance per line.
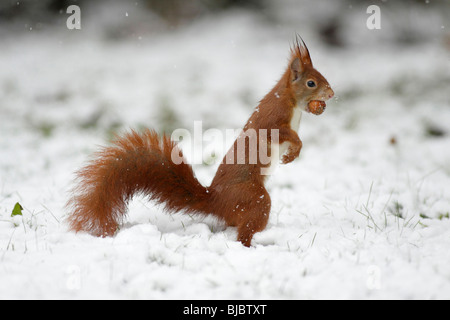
x=134, y=164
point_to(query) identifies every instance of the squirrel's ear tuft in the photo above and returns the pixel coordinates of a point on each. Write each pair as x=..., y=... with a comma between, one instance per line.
x=301, y=51
x=296, y=68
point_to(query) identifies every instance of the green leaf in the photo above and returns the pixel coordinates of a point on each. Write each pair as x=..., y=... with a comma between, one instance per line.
x=442, y=216
x=17, y=211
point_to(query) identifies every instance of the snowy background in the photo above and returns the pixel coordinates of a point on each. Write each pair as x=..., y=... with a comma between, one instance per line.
x=362, y=214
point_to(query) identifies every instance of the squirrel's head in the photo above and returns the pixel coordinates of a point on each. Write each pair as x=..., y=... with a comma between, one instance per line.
x=307, y=83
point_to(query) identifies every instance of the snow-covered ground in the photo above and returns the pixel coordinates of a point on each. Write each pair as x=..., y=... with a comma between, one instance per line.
x=362, y=214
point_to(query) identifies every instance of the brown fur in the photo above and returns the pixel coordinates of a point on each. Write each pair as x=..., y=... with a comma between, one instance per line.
x=141, y=163
x=136, y=163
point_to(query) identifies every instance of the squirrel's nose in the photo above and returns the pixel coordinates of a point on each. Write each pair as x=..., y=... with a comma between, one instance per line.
x=330, y=93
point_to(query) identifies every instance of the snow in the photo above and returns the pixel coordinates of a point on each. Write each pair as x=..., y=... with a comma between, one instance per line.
x=362, y=214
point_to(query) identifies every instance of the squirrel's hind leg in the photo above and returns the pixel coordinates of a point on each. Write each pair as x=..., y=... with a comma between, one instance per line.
x=255, y=218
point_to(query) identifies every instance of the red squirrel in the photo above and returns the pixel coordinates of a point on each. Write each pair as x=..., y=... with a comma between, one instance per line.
x=141, y=163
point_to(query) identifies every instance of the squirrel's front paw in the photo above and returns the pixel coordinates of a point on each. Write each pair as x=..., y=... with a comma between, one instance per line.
x=292, y=153
x=287, y=158
x=290, y=156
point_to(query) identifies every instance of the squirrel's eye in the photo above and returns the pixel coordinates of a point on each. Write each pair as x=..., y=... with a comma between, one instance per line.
x=311, y=84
